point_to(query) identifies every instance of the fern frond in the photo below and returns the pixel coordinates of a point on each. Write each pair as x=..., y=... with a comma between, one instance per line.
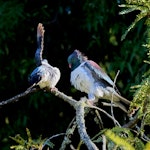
x=137, y=19
x=131, y=8
x=18, y=139
x=29, y=135
x=30, y=143
x=17, y=147
x=119, y=141
x=143, y=7
x=139, y=2
x=142, y=97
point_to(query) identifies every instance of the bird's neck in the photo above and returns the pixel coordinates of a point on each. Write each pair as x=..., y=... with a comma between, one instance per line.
x=75, y=65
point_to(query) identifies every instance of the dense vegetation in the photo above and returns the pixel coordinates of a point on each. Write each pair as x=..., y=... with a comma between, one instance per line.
x=95, y=28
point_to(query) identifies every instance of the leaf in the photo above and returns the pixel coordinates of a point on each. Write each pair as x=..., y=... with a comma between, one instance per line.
x=120, y=142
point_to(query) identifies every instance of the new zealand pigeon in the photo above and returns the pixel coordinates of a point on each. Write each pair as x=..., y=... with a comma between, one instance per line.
x=44, y=75
x=87, y=76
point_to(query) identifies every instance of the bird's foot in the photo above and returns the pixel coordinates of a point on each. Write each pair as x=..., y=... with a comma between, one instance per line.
x=90, y=102
x=54, y=89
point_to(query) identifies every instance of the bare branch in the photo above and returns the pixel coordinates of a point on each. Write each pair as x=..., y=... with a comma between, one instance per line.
x=101, y=125
x=31, y=89
x=104, y=142
x=54, y=136
x=132, y=122
x=79, y=107
x=69, y=132
x=112, y=112
x=63, y=96
x=108, y=115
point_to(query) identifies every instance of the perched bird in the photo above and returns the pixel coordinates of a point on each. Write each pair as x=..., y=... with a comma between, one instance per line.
x=88, y=77
x=44, y=75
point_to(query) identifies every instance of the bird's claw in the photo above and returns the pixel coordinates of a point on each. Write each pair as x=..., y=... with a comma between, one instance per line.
x=54, y=89
x=90, y=102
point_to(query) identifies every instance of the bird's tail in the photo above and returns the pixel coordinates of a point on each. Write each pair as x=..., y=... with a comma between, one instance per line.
x=124, y=100
x=117, y=97
x=40, y=44
x=40, y=35
x=121, y=106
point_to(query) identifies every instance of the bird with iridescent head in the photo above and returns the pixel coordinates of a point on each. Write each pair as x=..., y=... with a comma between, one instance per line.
x=88, y=77
x=44, y=75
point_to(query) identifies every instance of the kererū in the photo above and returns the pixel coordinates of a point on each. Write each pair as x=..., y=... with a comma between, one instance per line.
x=44, y=75
x=87, y=76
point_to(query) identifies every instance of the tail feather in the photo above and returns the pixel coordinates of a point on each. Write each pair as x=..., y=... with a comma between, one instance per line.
x=124, y=100
x=117, y=96
x=40, y=44
x=121, y=106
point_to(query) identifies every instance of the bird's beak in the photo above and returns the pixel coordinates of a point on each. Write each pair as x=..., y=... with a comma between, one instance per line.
x=69, y=65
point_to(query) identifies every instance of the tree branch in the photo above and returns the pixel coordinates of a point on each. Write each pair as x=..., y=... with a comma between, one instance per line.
x=31, y=89
x=63, y=96
x=81, y=125
x=69, y=132
x=133, y=121
x=77, y=105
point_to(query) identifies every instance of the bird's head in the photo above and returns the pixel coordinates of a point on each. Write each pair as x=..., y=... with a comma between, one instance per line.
x=75, y=59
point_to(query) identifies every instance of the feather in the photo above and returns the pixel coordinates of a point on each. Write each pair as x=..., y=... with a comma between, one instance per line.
x=87, y=76
x=44, y=75
x=40, y=44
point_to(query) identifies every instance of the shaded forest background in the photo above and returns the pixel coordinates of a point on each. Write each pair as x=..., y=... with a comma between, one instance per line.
x=95, y=28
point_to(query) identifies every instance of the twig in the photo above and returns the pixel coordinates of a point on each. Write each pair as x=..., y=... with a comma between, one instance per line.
x=69, y=132
x=104, y=142
x=132, y=122
x=31, y=89
x=101, y=125
x=143, y=136
x=112, y=112
x=79, y=145
x=51, y=138
x=108, y=115
x=72, y=147
x=108, y=104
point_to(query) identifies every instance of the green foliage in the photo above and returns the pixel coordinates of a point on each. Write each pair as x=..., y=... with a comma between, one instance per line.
x=95, y=28
x=11, y=13
x=123, y=138
x=29, y=143
x=142, y=96
x=118, y=141
x=147, y=147
x=140, y=5
x=94, y=15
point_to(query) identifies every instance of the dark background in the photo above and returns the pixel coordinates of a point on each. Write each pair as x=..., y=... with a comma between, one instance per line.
x=95, y=28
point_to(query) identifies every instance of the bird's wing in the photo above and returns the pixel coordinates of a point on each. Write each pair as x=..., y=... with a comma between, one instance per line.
x=98, y=73
x=35, y=76
x=40, y=44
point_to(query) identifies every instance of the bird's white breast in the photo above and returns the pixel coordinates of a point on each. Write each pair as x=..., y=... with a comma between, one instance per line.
x=81, y=79
x=50, y=76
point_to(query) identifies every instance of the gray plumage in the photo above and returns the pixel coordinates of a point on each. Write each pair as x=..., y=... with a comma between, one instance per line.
x=44, y=75
x=87, y=76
